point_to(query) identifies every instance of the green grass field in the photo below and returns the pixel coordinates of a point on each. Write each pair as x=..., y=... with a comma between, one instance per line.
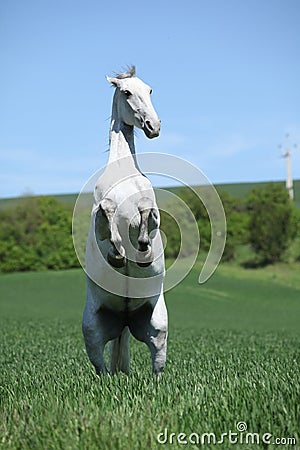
x=233, y=357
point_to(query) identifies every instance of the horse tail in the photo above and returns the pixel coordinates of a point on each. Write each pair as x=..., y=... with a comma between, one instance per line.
x=119, y=352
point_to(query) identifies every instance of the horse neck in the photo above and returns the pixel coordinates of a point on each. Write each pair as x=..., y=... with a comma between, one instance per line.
x=121, y=142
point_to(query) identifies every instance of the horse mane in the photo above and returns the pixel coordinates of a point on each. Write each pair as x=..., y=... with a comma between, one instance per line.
x=129, y=74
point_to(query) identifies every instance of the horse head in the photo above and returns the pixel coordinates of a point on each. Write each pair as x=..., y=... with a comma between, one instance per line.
x=132, y=98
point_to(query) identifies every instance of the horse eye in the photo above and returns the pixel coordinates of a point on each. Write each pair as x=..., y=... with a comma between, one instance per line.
x=151, y=91
x=127, y=93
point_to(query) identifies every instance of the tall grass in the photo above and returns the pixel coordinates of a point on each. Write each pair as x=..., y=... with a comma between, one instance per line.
x=233, y=357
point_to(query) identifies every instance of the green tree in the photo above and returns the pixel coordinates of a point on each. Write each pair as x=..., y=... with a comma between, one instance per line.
x=236, y=219
x=236, y=223
x=179, y=229
x=171, y=231
x=36, y=235
x=271, y=222
x=192, y=197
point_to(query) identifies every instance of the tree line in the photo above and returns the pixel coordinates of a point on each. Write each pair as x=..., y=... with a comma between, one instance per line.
x=266, y=224
x=37, y=234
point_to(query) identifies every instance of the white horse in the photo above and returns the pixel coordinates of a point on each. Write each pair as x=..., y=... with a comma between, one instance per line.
x=124, y=254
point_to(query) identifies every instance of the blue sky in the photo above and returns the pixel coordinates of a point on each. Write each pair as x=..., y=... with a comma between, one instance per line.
x=225, y=78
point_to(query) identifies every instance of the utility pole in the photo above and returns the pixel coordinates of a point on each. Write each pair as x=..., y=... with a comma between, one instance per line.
x=289, y=178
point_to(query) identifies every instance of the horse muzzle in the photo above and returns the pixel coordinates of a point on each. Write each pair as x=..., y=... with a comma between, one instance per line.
x=151, y=127
x=151, y=130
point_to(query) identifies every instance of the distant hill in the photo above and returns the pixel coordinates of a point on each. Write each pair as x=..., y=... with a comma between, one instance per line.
x=239, y=190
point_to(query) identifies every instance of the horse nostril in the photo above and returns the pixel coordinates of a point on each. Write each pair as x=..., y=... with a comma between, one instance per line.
x=149, y=126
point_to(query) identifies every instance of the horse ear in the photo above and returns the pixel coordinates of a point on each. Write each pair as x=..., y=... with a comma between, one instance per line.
x=114, y=81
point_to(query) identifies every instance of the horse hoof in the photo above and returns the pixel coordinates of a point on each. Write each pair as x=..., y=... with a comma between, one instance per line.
x=145, y=260
x=116, y=261
x=144, y=264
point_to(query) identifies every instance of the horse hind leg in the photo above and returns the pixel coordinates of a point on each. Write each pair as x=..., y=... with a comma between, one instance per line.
x=99, y=327
x=150, y=325
x=94, y=342
x=156, y=338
